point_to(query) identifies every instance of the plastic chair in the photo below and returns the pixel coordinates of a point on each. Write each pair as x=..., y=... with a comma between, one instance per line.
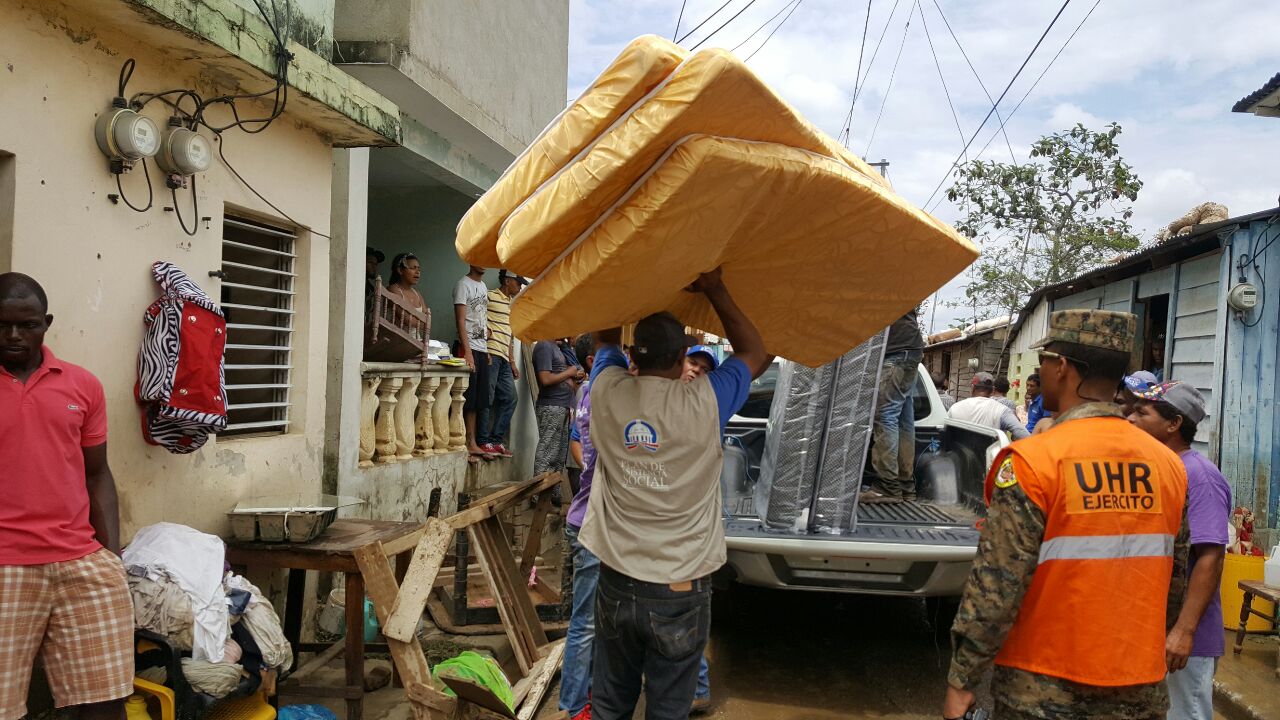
x=179, y=701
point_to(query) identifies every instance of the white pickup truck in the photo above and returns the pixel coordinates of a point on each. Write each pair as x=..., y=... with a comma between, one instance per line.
x=919, y=548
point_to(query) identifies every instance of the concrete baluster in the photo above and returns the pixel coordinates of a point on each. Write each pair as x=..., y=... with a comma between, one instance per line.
x=457, y=426
x=423, y=433
x=386, y=425
x=406, y=407
x=440, y=417
x=368, y=412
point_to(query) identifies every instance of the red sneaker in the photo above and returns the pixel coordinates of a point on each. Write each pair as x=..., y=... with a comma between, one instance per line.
x=490, y=449
x=584, y=714
x=503, y=451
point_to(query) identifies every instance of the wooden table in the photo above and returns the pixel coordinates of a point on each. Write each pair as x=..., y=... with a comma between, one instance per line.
x=1252, y=589
x=333, y=551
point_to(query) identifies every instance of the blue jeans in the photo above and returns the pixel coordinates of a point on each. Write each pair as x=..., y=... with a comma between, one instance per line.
x=575, y=675
x=650, y=638
x=494, y=422
x=894, y=436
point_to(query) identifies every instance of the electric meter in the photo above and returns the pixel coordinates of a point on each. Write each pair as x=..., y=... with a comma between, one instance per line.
x=125, y=135
x=183, y=152
x=1243, y=297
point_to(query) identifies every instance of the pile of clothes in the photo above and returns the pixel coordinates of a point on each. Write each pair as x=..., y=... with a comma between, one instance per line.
x=183, y=590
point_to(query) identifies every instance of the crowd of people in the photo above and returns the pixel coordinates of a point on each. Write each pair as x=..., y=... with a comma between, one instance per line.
x=1094, y=592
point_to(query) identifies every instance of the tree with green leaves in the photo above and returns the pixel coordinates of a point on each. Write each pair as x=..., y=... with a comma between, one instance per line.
x=1060, y=214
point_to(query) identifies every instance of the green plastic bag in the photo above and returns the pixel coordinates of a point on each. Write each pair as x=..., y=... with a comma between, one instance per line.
x=480, y=669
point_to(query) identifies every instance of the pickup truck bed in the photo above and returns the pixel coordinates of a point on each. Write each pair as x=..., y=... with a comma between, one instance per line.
x=915, y=548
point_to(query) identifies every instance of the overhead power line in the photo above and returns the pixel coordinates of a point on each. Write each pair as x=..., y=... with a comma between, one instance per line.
x=945, y=91
x=1040, y=77
x=765, y=24
x=885, y=101
x=977, y=77
x=704, y=21
x=724, y=25
x=996, y=104
x=775, y=29
x=859, y=82
x=678, y=19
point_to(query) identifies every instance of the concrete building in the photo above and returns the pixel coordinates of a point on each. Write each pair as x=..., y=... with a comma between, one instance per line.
x=366, y=151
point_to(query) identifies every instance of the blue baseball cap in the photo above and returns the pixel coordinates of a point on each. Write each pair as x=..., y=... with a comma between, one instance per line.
x=1140, y=381
x=704, y=350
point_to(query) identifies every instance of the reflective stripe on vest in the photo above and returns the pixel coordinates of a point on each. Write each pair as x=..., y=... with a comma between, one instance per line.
x=1106, y=547
x=1112, y=498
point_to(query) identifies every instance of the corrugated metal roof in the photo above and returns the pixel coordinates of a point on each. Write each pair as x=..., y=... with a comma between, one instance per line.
x=1248, y=101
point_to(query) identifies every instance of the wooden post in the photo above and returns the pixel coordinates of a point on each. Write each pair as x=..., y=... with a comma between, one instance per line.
x=402, y=621
x=515, y=607
x=533, y=543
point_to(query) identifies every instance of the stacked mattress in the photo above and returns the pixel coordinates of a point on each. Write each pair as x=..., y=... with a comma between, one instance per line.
x=817, y=442
x=672, y=164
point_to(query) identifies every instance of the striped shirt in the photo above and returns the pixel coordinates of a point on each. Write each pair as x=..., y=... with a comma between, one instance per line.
x=499, y=320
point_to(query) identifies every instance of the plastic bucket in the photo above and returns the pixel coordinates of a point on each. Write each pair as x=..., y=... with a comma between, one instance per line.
x=1235, y=569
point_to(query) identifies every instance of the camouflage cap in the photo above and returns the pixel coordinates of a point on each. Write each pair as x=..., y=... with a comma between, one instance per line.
x=1102, y=329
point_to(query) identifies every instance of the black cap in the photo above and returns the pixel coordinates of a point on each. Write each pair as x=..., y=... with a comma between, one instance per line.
x=376, y=253
x=661, y=334
x=504, y=274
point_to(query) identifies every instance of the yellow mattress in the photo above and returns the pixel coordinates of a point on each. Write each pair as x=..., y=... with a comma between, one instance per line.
x=644, y=63
x=706, y=167
x=817, y=255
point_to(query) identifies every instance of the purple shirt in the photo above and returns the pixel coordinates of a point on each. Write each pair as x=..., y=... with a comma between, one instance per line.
x=580, y=431
x=1208, y=510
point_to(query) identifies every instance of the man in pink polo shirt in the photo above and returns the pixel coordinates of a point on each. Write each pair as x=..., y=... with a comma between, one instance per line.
x=63, y=594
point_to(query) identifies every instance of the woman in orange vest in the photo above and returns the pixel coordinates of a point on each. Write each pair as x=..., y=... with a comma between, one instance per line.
x=1083, y=555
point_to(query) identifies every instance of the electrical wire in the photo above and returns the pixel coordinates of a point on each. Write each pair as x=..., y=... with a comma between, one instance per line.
x=724, y=25
x=126, y=74
x=999, y=100
x=774, y=30
x=678, y=19
x=763, y=25
x=704, y=22
x=195, y=209
x=938, y=65
x=1027, y=94
x=860, y=82
x=252, y=189
x=888, y=90
x=151, y=195
x=977, y=77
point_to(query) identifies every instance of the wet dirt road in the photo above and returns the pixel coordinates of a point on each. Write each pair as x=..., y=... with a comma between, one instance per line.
x=795, y=656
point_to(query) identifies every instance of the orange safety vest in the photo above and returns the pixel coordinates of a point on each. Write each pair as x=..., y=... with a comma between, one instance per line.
x=1113, y=498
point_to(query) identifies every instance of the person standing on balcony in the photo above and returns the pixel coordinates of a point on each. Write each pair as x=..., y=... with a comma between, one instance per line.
x=470, y=309
x=500, y=402
x=64, y=597
x=373, y=257
x=406, y=271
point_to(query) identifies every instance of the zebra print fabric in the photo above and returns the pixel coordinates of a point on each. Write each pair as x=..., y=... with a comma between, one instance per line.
x=177, y=429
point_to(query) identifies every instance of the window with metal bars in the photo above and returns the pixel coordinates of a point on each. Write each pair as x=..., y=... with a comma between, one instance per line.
x=257, y=297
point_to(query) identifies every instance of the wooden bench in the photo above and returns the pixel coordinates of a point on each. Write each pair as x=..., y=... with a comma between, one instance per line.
x=1252, y=589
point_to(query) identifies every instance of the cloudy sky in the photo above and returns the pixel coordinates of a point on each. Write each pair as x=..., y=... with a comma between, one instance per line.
x=1167, y=71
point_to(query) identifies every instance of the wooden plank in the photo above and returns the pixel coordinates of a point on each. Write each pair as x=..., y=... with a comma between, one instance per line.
x=491, y=505
x=1198, y=374
x=514, y=605
x=410, y=661
x=1156, y=282
x=477, y=694
x=405, y=613
x=319, y=661
x=425, y=695
x=541, y=682
x=1197, y=299
x=1193, y=350
x=533, y=543
x=1203, y=324
x=354, y=657
x=1201, y=271
x=404, y=543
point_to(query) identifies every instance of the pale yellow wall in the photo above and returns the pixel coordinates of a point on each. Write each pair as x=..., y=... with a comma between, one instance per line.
x=94, y=258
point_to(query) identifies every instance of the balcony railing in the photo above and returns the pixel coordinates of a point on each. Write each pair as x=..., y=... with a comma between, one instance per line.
x=410, y=411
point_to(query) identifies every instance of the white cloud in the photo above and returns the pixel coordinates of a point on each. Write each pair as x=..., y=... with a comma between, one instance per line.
x=1161, y=69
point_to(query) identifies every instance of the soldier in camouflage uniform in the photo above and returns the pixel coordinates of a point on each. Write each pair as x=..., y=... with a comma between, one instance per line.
x=1010, y=549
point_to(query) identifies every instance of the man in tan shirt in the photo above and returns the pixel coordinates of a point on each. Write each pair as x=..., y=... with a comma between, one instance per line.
x=654, y=517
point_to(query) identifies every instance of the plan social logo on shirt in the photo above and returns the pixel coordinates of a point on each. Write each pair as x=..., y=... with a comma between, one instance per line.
x=640, y=434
